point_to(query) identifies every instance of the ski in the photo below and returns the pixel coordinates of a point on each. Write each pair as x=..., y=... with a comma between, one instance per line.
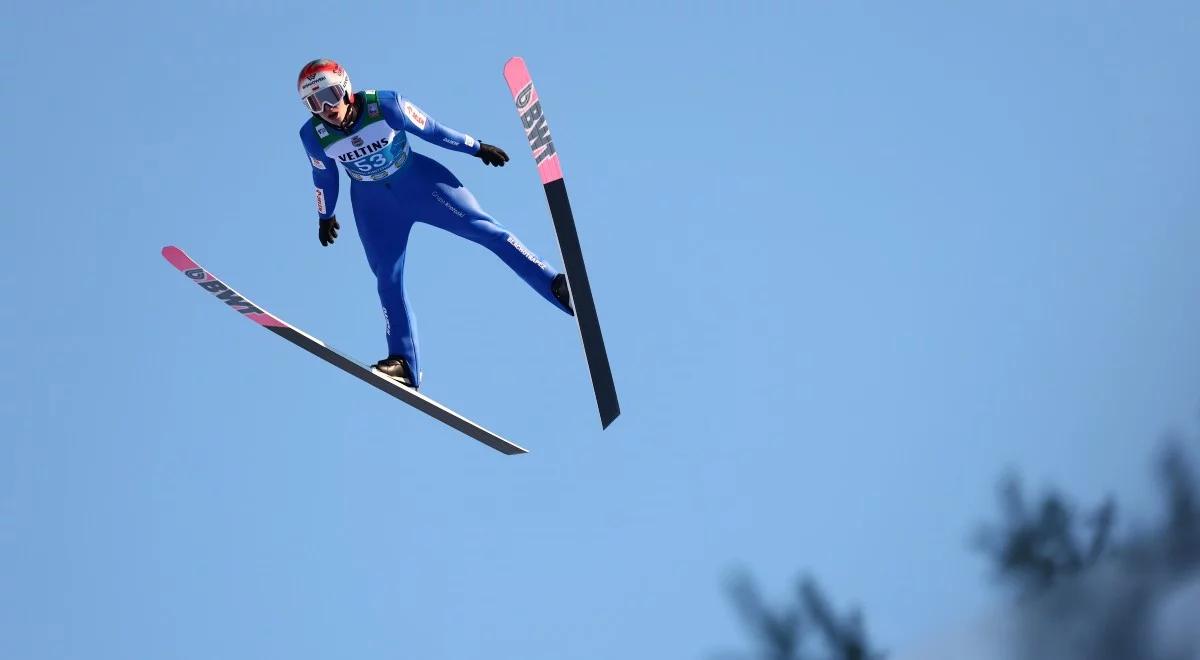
x=537, y=131
x=209, y=282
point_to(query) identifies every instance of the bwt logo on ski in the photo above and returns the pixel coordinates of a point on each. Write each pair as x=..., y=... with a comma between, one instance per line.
x=359, y=153
x=222, y=292
x=537, y=131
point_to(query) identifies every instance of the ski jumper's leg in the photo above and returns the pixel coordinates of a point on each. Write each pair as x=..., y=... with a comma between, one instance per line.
x=453, y=208
x=384, y=228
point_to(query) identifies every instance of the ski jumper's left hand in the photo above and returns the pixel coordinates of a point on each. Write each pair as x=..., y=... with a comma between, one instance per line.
x=491, y=155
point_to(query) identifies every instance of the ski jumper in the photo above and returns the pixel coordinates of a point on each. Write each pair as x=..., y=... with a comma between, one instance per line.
x=392, y=187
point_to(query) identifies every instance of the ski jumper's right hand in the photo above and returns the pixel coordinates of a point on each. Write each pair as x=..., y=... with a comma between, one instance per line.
x=327, y=232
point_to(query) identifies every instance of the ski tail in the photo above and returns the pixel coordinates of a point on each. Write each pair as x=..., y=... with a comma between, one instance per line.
x=549, y=165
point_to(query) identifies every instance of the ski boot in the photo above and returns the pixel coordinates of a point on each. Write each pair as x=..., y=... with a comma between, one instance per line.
x=558, y=286
x=396, y=368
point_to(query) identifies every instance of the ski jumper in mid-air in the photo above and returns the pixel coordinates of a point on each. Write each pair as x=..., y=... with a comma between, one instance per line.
x=392, y=187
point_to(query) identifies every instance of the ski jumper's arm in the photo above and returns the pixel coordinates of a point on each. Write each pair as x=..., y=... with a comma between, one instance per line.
x=403, y=115
x=324, y=172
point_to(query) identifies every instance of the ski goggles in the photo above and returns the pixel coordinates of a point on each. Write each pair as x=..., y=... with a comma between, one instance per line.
x=330, y=96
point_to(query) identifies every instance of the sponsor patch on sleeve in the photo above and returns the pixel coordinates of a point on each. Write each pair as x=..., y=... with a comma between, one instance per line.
x=316, y=163
x=468, y=140
x=415, y=115
x=320, y=201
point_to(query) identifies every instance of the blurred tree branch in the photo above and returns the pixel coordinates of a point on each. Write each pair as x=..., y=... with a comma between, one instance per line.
x=779, y=634
x=845, y=638
x=1036, y=547
x=785, y=634
x=1183, y=511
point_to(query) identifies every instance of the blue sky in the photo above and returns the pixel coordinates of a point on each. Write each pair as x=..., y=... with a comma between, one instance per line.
x=853, y=261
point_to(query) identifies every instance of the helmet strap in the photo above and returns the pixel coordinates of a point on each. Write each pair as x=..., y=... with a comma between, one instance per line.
x=351, y=115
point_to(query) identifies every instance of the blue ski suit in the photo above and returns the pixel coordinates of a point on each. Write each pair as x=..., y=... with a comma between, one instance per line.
x=392, y=187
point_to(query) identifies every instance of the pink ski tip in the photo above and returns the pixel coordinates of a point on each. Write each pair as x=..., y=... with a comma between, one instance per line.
x=178, y=258
x=513, y=64
x=516, y=74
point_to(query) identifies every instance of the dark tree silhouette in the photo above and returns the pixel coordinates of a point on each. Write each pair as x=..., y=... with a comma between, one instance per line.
x=779, y=634
x=1034, y=548
x=786, y=634
x=1106, y=614
x=846, y=638
x=1183, y=509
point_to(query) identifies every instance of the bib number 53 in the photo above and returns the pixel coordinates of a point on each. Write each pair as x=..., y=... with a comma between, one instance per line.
x=372, y=162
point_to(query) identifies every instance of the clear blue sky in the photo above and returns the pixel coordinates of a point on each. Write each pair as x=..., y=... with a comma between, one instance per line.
x=853, y=261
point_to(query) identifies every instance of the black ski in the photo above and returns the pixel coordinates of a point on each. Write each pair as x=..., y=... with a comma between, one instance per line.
x=537, y=131
x=235, y=301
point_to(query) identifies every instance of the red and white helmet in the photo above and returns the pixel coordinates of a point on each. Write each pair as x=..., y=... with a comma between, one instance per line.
x=322, y=83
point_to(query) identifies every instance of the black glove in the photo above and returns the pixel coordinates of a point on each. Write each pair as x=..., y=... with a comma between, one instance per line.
x=328, y=230
x=490, y=155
